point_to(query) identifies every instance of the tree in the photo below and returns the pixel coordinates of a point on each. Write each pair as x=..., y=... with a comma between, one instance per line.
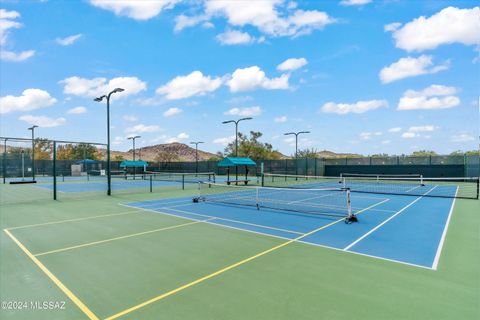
x=43, y=149
x=165, y=156
x=118, y=157
x=217, y=157
x=380, y=155
x=78, y=152
x=423, y=153
x=466, y=153
x=251, y=147
x=308, y=153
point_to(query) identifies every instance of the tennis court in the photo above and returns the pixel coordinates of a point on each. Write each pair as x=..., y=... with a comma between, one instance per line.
x=271, y=252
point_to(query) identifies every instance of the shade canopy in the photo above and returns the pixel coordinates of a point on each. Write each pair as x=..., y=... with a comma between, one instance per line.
x=86, y=161
x=236, y=161
x=131, y=164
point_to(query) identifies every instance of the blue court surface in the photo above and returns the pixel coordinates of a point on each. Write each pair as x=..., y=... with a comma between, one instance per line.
x=403, y=229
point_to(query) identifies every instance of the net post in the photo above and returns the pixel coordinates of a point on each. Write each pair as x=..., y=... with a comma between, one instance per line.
x=54, y=169
x=351, y=217
x=4, y=163
x=183, y=181
x=263, y=179
x=256, y=198
x=421, y=180
x=151, y=184
x=478, y=186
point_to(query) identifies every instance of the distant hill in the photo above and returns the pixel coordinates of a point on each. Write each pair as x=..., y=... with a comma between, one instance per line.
x=169, y=151
x=331, y=154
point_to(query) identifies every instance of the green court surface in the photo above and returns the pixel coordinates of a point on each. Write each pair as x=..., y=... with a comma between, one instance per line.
x=108, y=261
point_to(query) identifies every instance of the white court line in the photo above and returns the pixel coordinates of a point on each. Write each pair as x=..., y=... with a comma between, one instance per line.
x=444, y=234
x=387, y=220
x=235, y=221
x=283, y=238
x=411, y=189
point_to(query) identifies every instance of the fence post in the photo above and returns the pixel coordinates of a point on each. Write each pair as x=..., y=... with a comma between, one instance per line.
x=54, y=169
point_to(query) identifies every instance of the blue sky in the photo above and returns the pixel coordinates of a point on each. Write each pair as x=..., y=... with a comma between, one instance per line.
x=366, y=76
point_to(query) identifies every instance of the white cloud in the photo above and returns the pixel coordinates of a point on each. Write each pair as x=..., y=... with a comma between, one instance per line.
x=426, y=128
x=30, y=99
x=408, y=135
x=179, y=137
x=6, y=23
x=99, y=86
x=118, y=140
x=410, y=67
x=252, y=78
x=369, y=135
x=365, y=135
x=224, y=141
x=67, y=41
x=280, y=119
x=432, y=97
x=241, y=99
x=77, y=110
x=141, y=128
x=4, y=14
x=16, y=57
x=354, y=2
x=392, y=26
x=463, y=137
x=138, y=10
x=416, y=131
x=272, y=17
x=130, y=117
x=357, y=107
x=183, y=21
x=194, y=84
x=43, y=122
x=171, y=112
x=450, y=25
x=396, y=129
x=386, y=141
x=245, y=112
x=292, y=64
x=234, y=37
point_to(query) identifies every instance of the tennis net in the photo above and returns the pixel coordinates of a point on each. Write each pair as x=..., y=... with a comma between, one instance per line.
x=381, y=176
x=463, y=187
x=334, y=202
x=120, y=174
x=180, y=176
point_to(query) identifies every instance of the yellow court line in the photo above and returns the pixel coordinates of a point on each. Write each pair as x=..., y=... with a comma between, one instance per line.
x=73, y=220
x=119, y=238
x=231, y=220
x=62, y=287
x=216, y=273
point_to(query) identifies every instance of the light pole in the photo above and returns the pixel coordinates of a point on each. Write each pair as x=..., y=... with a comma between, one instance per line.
x=134, y=165
x=33, y=150
x=236, y=138
x=196, y=143
x=4, y=160
x=296, y=147
x=133, y=140
x=99, y=99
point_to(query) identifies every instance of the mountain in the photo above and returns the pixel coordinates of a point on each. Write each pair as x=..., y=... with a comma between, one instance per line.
x=166, y=152
x=331, y=154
